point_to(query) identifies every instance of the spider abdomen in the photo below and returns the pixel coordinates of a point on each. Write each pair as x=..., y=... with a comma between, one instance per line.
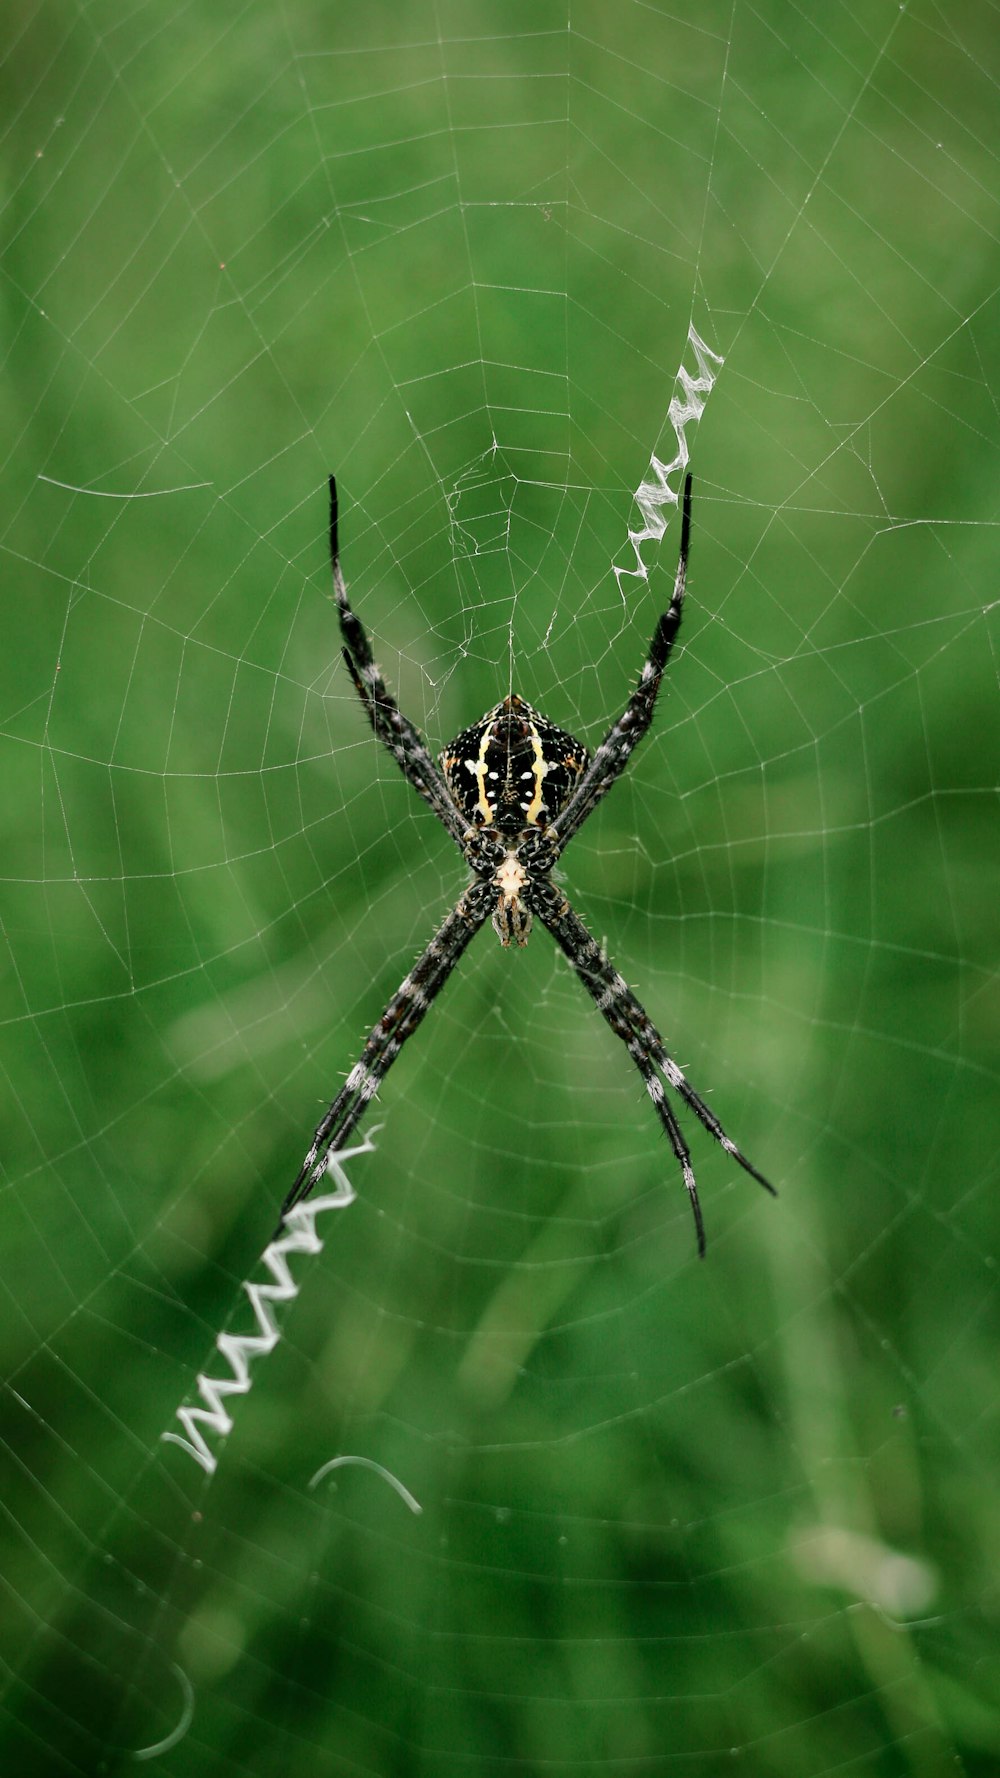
x=513, y=769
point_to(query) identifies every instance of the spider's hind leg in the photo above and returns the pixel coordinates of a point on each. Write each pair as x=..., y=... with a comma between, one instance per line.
x=613, y=754
x=396, y=732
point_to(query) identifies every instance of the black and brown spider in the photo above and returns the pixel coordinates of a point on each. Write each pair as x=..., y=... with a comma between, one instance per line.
x=512, y=791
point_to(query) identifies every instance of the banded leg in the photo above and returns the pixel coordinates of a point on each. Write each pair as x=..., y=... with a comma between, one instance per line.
x=654, y=1087
x=415, y=994
x=630, y=1022
x=614, y=752
x=393, y=729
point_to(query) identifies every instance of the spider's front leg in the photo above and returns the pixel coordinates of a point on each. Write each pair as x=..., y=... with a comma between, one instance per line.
x=631, y=1023
x=411, y=1001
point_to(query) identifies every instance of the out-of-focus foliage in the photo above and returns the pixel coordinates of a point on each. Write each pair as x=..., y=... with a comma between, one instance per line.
x=677, y=1518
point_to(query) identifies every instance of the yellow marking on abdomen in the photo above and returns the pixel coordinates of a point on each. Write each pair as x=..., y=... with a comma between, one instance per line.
x=479, y=769
x=534, y=808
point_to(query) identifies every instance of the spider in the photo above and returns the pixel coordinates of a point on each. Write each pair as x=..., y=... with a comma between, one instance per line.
x=511, y=791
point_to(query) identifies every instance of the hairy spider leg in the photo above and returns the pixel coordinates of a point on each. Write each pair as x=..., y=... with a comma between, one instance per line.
x=413, y=998
x=631, y=1023
x=613, y=754
x=393, y=729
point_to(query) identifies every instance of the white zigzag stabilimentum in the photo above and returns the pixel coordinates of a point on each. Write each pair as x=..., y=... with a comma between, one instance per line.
x=654, y=495
x=298, y=1235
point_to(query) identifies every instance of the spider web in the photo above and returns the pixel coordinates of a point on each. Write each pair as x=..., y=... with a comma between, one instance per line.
x=681, y=1517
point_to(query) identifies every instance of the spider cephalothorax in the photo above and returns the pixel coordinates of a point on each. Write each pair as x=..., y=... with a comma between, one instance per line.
x=512, y=791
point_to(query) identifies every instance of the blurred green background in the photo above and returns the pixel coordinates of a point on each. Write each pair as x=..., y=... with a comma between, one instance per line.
x=736, y=1516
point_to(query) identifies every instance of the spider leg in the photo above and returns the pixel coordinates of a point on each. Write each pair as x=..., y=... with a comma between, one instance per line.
x=412, y=999
x=393, y=729
x=654, y=1087
x=630, y=1022
x=612, y=756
